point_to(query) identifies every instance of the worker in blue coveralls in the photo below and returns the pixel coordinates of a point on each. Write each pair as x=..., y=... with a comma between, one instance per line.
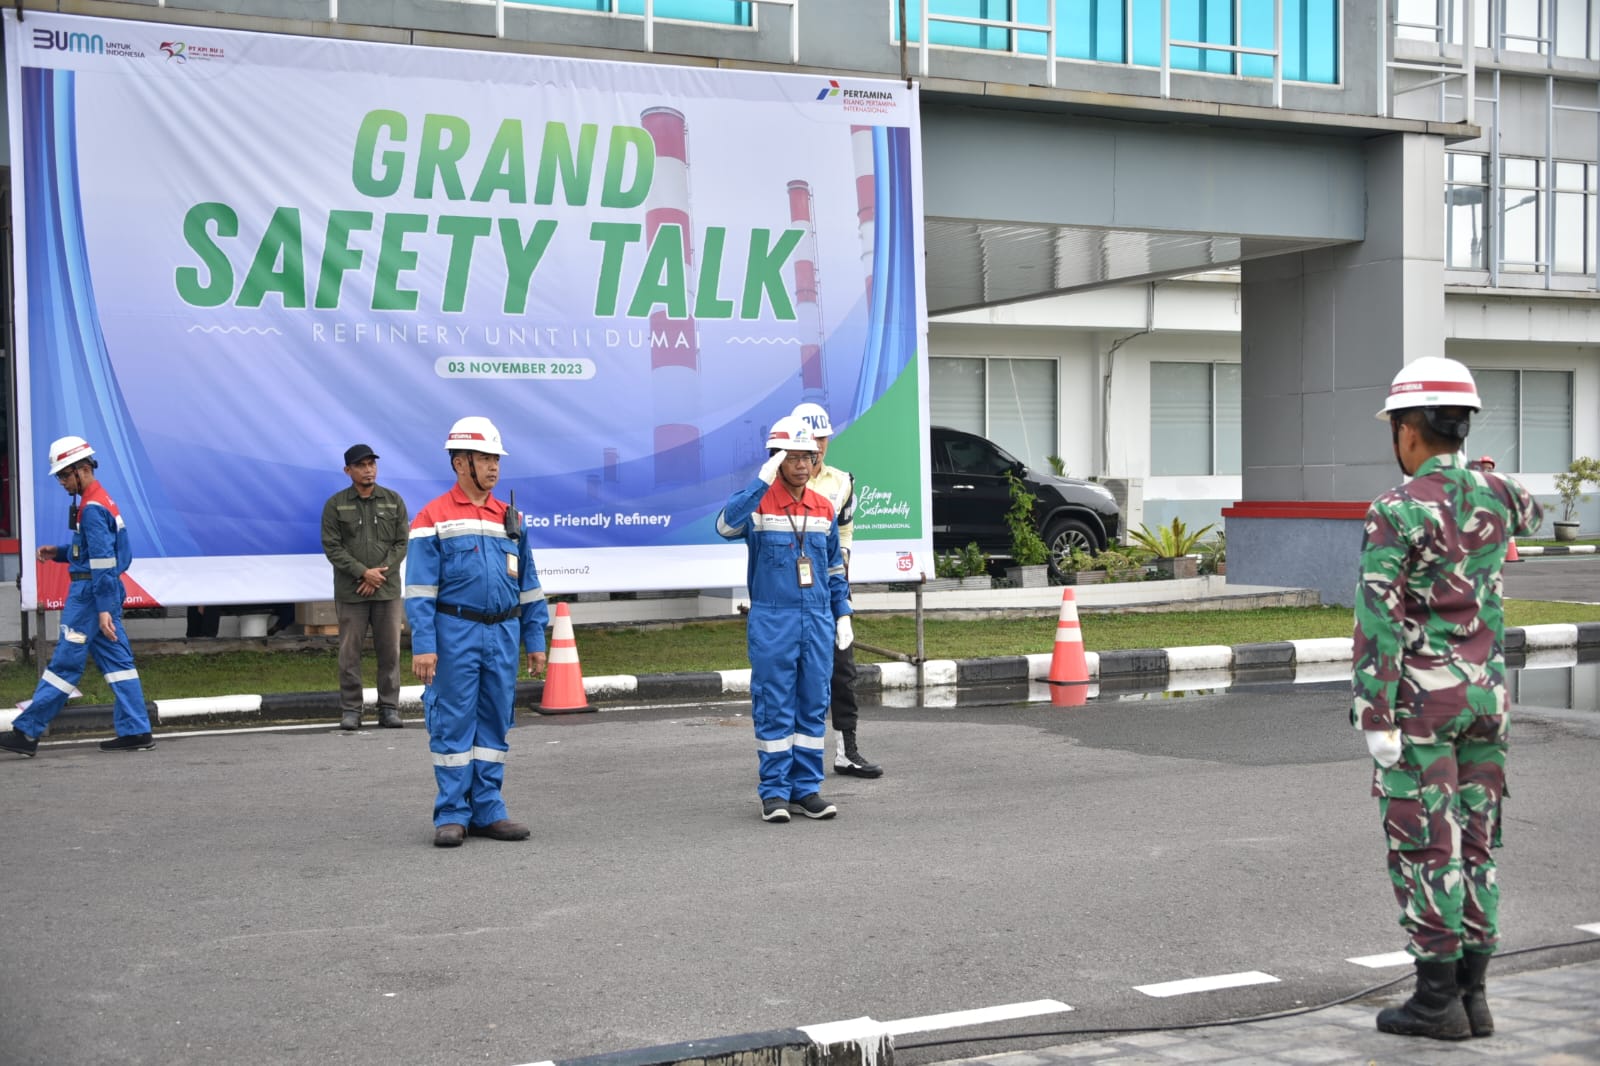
x=472, y=597
x=91, y=620
x=799, y=612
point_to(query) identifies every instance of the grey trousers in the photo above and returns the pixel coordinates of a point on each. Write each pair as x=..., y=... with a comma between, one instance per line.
x=384, y=618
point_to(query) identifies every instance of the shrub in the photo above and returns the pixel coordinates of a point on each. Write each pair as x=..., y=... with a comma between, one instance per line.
x=970, y=561
x=1027, y=547
x=1169, y=542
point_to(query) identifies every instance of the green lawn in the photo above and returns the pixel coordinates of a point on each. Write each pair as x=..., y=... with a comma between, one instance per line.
x=719, y=645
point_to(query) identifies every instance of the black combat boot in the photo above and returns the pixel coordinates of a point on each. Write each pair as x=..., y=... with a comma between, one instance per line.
x=850, y=760
x=1470, y=972
x=1434, y=1009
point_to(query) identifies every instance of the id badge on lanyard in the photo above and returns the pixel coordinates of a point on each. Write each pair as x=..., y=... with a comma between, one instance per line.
x=802, y=565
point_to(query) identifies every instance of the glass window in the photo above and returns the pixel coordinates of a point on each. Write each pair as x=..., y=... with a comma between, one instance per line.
x=1575, y=218
x=722, y=12
x=1546, y=421
x=1494, y=429
x=1521, y=215
x=1009, y=401
x=1098, y=29
x=1526, y=421
x=1523, y=26
x=1228, y=433
x=1022, y=408
x=1466, y=220
x=1575, y=29
x=1180, y=418
x=955, y=394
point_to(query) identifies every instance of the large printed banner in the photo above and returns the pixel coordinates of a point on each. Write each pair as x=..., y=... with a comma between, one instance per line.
x=238, y=254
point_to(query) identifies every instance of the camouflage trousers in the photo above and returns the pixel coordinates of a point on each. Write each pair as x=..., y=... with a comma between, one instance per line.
x=1441, y=814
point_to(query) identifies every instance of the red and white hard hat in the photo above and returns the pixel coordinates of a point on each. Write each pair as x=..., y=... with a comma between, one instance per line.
x=64, y=451
x=789, y=434
x=474, y=434
x=1432, y=381
x=814, y=416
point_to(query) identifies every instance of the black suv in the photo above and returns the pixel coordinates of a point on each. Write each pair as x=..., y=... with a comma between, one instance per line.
x=970, y=500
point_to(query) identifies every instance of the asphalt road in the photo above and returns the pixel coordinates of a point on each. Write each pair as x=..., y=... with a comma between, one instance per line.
x=274, y=898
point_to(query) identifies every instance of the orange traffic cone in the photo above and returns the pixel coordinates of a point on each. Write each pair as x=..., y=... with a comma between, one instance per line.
x=1067, y=664
x=1511, y=552
x=563, y=677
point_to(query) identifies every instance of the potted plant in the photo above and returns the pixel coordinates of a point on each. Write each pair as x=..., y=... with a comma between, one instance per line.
x=1569, y=486
x=967, y=568
x=1120, y=564
x=1028, y=549
x=1214, y=555
x=1081, y=567
x=1171, y=546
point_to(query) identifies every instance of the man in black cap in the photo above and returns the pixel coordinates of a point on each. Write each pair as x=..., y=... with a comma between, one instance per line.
x=365, y=529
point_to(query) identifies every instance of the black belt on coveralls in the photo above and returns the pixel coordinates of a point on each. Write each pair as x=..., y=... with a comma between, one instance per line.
x=81, y=577
x=478, y=616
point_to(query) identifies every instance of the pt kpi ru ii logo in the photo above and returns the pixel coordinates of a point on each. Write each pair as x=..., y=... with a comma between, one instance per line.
x=182, y=52
x=864, y=101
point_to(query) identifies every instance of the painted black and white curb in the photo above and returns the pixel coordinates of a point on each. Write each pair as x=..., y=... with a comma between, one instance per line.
x=936, y=682
x=1558, y=549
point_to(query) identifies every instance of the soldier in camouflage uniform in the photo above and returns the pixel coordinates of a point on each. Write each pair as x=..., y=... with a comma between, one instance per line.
x=1430, y=693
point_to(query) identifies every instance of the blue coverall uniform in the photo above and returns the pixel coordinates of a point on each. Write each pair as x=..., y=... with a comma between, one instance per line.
x=791, y=628
x=472, y=596
x=96, y=557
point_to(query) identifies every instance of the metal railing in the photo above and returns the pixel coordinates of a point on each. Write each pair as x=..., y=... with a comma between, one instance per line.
x=649, y=19
x=1052, y=32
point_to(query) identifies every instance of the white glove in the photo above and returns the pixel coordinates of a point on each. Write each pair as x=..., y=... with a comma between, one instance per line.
x=1384, y=745
x=769, y=469
x=845, y=634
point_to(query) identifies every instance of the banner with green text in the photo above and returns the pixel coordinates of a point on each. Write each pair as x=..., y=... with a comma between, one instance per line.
x=237, y=254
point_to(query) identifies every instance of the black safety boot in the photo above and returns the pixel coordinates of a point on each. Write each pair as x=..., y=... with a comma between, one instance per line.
x=850, y=761
x=21, y=743
x=1434, y=1009
x=1470, y=973
x=129, y=742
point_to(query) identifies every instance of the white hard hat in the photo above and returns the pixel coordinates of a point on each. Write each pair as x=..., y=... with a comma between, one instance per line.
x=1432, y=381
x=789, y=434
x=474, y=434
x=815, y=417
x=64, y=451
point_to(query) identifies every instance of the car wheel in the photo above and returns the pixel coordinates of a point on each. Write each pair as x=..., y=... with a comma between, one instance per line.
x=1062, y=536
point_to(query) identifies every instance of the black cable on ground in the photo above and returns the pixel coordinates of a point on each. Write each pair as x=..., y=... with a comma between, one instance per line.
x=1273, y=1016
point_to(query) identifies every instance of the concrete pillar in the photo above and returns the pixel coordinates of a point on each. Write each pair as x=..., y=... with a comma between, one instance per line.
x=1322, y=334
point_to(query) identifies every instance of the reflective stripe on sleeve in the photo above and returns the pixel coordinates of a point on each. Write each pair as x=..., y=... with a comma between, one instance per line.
x=422, y=592
x=530, y=596
x=452, y=758
x=488, y=755
x=103, y=564
x=419, y=533
x=121, y=675
x=781, y=744
x=726, y=530
x=470, y=527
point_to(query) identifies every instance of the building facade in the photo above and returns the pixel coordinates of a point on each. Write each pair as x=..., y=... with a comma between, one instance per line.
x=1183, y=244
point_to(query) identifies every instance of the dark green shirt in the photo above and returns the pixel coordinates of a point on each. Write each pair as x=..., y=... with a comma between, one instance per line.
x=358, y=534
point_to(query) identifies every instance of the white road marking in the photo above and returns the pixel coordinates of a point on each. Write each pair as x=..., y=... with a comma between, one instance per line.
x=1592, y=927
x=957, y=1019
x=1378, y=962
x=1206, y=984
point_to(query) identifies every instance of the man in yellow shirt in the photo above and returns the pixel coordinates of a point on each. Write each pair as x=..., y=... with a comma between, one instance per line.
x=839, y=487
